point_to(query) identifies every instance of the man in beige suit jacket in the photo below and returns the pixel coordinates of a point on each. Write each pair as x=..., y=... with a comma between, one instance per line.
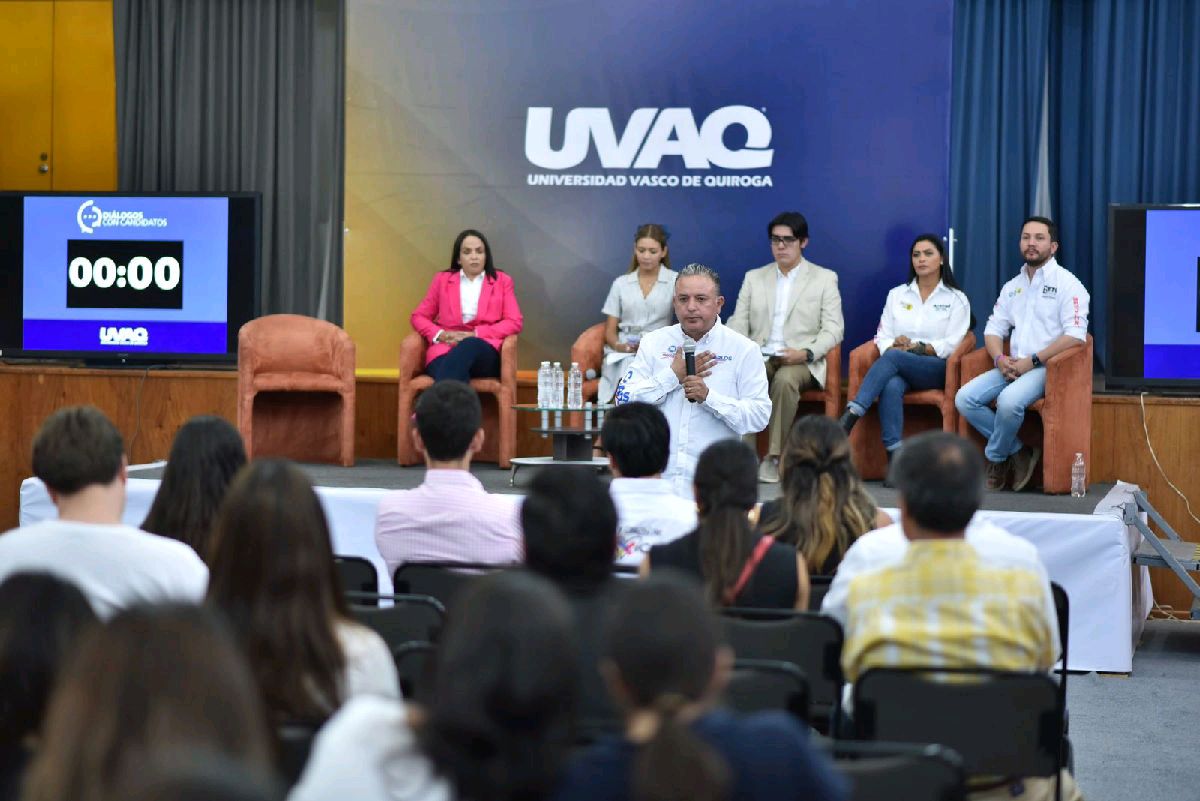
x=792, y=309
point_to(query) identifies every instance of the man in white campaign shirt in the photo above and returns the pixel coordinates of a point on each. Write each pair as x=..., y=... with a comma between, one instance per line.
x=1043, y=311
x=726, y=398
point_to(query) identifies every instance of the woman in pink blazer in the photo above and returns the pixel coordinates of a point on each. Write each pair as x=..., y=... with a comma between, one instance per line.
x=469, y=310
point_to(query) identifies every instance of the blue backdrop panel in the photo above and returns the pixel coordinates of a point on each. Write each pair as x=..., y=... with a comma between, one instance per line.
x=839, y=110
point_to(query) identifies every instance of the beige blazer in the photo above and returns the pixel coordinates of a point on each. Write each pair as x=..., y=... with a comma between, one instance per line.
x=814, y=314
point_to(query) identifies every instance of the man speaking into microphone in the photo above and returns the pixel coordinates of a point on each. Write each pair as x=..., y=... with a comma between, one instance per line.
x=708, y=380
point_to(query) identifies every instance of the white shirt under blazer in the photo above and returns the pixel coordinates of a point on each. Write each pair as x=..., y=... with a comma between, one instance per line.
x=940, y=321
x=1038, y=311
x=737, y=402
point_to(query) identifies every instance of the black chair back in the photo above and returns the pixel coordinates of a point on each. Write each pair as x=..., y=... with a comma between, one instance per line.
x=809, y=641
x=414, y=665
x=294, y=742
x=408, y=618
x=900, y=771
x=1001, y=723
x=817, y=587
x=357, y=574
x=766, y=685
x=441, y=580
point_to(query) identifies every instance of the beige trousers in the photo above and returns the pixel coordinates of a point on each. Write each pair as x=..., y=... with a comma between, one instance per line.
x=786, y=384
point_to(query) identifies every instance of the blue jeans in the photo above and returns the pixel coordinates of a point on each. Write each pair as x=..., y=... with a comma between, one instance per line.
x=471, y=358
x=896, y=372
x=1011, y=397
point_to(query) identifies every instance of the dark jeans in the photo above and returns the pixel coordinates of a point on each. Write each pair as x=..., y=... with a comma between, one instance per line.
x=897, y=372
x=471, y=358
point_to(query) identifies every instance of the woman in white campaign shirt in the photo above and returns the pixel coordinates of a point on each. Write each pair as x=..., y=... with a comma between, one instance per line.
x=923, y=321
x=638, y=302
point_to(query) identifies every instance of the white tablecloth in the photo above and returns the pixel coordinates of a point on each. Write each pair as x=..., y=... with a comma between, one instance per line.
x=1089, y=555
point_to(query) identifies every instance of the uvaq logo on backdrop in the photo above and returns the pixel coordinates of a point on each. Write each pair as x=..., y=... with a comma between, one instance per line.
x=649, y=136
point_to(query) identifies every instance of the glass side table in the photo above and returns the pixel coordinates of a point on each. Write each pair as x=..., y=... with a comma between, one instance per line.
x=572, y=432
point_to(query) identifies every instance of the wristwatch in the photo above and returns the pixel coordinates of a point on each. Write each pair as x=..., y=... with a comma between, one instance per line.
x=1036, y=361
x=810, y=355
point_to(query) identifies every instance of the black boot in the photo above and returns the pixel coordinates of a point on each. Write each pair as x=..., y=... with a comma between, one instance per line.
x=887, y=479
x=847, y=420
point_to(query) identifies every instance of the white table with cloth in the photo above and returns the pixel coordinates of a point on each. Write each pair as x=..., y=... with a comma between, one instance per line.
x=1089, y=555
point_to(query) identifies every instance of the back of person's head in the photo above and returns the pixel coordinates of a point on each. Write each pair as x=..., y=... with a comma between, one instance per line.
x=569, y=525
x=75, y=448
x=504, y=689
x=824, y=506
x=448, y=417
x=41, y=621
x=203, y=776
x=205, y=456
x=271, y=571
x=940, y=479
x=152, y=680
x=726, y=485
x=665, y=650
x=637, y=437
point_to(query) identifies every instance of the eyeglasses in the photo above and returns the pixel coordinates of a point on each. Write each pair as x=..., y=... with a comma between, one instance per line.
x=783, y=240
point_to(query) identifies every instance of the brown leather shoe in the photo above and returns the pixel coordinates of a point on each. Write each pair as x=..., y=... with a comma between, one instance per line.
x=997, y=475
x=1023, y=463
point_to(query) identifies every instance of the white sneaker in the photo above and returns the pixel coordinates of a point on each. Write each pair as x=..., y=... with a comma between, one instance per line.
x=768, y=471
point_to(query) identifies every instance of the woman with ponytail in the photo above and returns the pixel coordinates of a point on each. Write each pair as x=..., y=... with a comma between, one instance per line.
x=824, y=507
x=666, y=667
x=738, y=566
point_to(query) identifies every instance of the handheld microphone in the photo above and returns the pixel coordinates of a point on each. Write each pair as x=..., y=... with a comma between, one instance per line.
x=689, y=361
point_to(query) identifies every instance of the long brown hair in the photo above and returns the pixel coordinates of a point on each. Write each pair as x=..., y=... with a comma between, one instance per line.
x=726, y=484
x=273, y=575
x=824, y=506
x=151, y=681
x=658, y=234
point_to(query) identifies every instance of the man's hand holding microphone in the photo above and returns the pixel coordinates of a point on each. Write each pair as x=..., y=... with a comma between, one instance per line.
x=691, y=368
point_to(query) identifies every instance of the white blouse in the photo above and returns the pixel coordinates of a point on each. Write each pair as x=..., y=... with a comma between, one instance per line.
x=941, y=320
x=648, y=313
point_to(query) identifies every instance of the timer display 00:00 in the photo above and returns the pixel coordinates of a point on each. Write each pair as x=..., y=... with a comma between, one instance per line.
x=163, y=273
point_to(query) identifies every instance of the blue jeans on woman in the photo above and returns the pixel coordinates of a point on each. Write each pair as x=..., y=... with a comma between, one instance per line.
x=896, y=372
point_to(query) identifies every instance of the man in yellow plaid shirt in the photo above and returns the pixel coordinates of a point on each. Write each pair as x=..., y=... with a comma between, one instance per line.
x=940, y=590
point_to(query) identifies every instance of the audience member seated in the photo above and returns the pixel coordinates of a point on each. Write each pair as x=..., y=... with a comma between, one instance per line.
x=41, y=621
x=637, y=438
x=738, y=566
x=469, y=310
x=824, y=506
x=450, y=517
x=638, y=302
x=935, y=591
x=200, y=776
x=155, y=681
x=667, y=666
x=205, y=456
x=78, y=454
x=569, y=524
x=498, y=721
x=274, y=578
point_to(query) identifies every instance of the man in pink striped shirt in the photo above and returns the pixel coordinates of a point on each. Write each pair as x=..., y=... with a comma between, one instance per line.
x=450, y=517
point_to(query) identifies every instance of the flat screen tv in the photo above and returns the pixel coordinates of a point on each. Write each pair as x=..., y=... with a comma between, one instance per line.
x=115, y=278
x=1154, y=297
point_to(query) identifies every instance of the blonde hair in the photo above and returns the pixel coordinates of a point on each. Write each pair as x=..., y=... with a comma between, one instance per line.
x=658, y=234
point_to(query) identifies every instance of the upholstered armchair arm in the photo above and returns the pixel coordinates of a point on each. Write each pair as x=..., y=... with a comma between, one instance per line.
x=833, y=381
x=588, y=349
x=861, y=359
x=954, y=363
x=1071, y=369
x=508, y=363
x=973, y=364
x=412, y=357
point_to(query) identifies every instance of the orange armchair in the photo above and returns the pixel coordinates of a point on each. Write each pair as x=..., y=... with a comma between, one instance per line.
x=866, y=443
x=1062, y=420
x=831, y=394
x=497, y=396
x=296, y=389
x=588, y=350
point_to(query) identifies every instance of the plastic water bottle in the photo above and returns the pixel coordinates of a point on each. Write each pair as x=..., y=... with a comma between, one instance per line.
x=543, y=397
x=556, y=386
x=1078, y=477
x=575, y=387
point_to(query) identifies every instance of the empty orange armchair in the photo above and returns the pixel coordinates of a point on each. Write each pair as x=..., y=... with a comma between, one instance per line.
x=588, y=351
x=296, y=389
x=866, y=443
x=1062, y=420
x=497, y=395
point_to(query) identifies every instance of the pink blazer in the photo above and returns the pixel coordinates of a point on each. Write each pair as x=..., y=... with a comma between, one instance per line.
x=498, y=315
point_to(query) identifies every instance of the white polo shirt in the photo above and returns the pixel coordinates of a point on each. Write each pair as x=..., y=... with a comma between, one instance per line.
x=737, y=403
x=941, y=320
x=1038, y=311
x=648, y=514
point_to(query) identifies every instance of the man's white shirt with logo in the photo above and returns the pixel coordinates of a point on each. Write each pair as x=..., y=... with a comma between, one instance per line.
x=737, y=403
x=1038, y=311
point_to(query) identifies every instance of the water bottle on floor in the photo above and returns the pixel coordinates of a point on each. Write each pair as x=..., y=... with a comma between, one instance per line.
x=575, y=387
x=543, y=397
x=1078, y=477
x=556, y=386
